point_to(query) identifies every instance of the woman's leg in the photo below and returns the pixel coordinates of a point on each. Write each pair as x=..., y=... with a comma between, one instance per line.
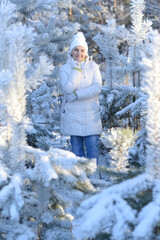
x=77, y=146
x=91, y=144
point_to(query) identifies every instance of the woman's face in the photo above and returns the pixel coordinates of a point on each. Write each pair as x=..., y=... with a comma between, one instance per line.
x=78, y=53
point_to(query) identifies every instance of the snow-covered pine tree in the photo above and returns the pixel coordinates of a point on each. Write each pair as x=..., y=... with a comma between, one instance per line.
x=121, y=207
x=29, y=9
x=54, y=35
x=138, y=43
x=125, y=104
x=121, y=139
x=35, y=186
x=108, y=41
x=118, y=66
x=138, y=40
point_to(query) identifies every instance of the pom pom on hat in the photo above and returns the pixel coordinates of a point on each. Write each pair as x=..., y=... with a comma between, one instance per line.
x=79, y=40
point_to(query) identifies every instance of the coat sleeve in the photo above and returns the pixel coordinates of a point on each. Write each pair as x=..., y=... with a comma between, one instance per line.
x=69, y=82
x=94, y=89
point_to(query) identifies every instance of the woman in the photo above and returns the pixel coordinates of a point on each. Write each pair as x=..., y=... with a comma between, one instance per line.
x=81, y=84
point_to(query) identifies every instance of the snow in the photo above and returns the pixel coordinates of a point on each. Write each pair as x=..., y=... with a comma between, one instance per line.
x=48, y=184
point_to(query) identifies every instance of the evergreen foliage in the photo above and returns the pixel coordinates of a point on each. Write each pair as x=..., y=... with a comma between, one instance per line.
x=124, y=103
x=36, y=187
x=120, y=140
x=107, y=40
x=152, y=9
x=27, y=10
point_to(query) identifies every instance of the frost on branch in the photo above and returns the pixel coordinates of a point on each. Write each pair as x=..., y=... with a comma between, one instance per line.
x=108, y=41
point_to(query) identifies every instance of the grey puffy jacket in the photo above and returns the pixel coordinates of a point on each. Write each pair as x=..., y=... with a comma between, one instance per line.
x=82, y=116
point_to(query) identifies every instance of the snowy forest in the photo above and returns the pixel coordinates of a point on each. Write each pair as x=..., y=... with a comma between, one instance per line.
x=46, y=192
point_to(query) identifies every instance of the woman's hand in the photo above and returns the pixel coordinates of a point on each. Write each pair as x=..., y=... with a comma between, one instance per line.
x=71, y=97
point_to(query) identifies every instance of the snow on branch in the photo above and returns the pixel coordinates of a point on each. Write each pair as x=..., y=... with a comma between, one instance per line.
x=36, y=74
x=139, y=25
x=42, y=170
x=106, y=207
x=13, y=191
x=132, y=107
x=108, y=41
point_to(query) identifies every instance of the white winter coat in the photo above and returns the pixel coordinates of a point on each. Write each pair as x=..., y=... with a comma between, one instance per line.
x=80, y=117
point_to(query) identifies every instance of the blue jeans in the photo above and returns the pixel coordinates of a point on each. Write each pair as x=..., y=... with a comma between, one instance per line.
x=87, y=144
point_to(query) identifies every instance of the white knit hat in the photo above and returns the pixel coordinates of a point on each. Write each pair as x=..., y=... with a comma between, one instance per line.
x=79, y=40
